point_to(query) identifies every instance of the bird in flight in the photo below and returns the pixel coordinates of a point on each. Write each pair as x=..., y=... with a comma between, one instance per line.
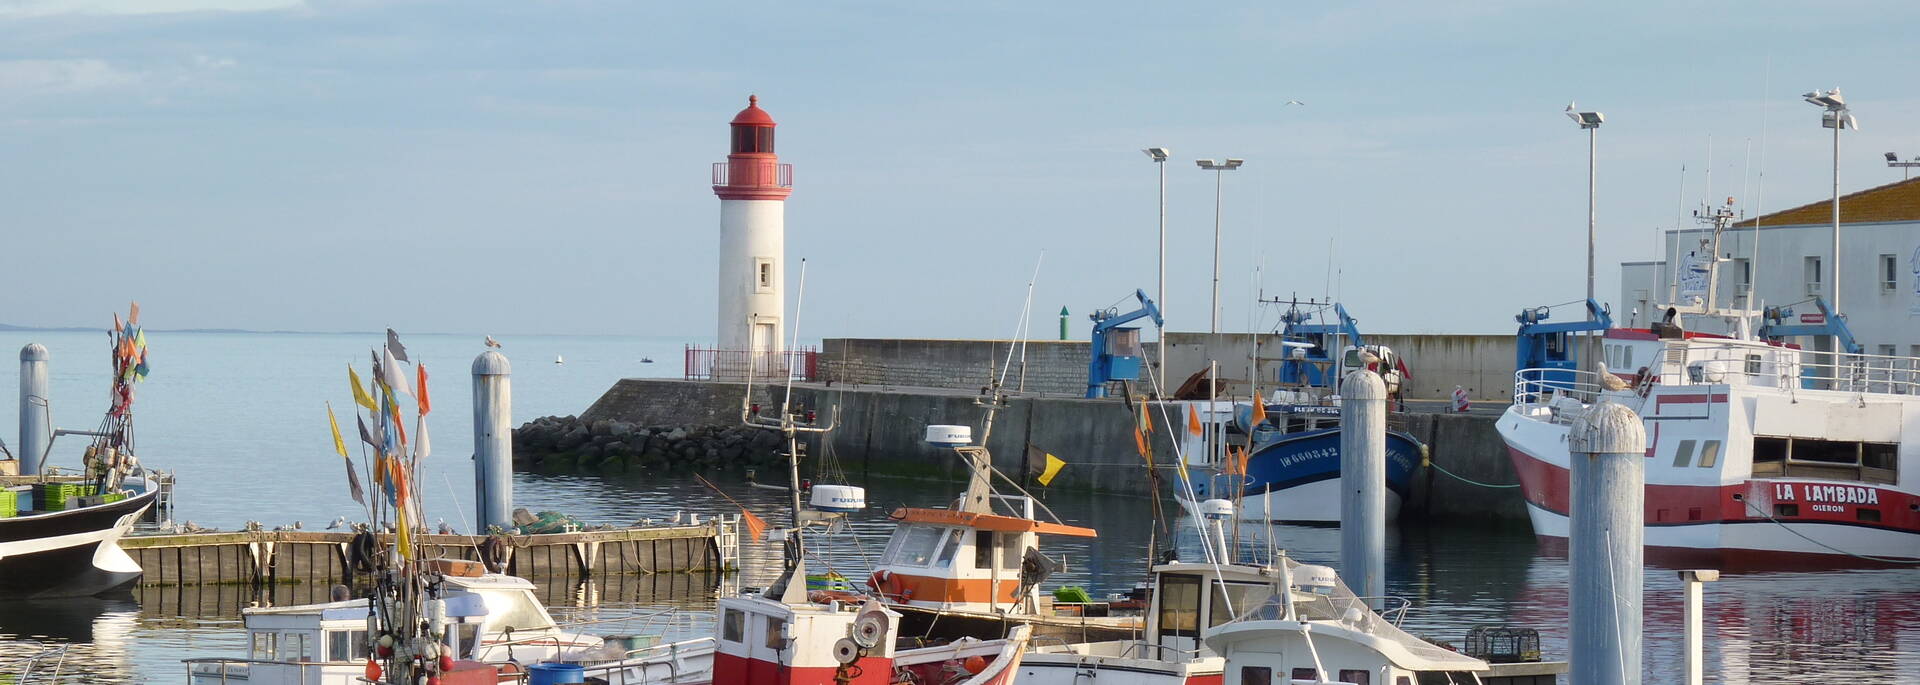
x=1294, y=102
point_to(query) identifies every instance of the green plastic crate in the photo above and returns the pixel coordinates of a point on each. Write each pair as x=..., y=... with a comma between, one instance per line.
x=112, y=497
x=53, y=496
x=9, y=503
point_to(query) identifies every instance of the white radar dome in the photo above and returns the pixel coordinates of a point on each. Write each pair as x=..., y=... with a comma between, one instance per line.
x=839, y=498
x=1312, y=577
x=1216, y=509
x=949, y=436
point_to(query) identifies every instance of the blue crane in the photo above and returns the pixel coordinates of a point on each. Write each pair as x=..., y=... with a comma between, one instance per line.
x=1310, y=359
x=1550, y=347
x=1116, y=350
x=1776, y=329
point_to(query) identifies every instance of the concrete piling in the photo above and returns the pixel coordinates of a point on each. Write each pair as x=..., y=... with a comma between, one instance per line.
x=1608, y=446
x=492, y=441
x=1363, y=485
x=36, y=423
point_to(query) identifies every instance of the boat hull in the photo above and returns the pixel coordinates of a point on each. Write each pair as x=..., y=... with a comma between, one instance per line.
x=1296, y=478
x=69, y=553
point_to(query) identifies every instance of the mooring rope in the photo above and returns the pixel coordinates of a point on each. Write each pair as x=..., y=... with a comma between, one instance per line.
x=1464, y=479
x=1836, y=550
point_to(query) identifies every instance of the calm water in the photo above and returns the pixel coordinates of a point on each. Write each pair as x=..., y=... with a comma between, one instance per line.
x=240, y=418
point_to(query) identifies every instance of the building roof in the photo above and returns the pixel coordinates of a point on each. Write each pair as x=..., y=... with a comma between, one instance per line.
x=1898, y=201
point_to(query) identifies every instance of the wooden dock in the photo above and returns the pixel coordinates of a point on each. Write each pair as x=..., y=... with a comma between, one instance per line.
x=321, y=557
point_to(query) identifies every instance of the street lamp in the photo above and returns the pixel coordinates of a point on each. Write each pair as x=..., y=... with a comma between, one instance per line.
x=1589, y=122
x=1160, y=155
x=1893, y=160
x=1217, y=167
x=1836, y=117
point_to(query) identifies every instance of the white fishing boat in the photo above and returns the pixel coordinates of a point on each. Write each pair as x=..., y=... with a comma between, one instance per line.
x=1759, y=452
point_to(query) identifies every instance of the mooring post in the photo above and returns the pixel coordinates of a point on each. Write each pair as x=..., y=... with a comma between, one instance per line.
x=1363, y=485
x=35, y=419
x=1608, y=446
x=1693, y=579
x=492, y=442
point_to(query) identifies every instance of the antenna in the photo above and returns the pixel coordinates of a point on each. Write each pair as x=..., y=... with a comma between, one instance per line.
x=1760, y=193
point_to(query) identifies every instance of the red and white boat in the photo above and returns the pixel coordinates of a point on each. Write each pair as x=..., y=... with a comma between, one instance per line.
x=1758, y=451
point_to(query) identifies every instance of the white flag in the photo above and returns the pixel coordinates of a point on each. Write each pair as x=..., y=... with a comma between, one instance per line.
x=390, y=372
x=420, y=448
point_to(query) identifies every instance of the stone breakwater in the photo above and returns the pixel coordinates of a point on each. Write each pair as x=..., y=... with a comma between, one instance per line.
x=568, y=444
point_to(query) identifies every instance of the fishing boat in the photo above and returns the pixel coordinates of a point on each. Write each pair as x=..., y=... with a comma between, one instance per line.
x=59, y=534
x=1759, y=452
x=1292, y=441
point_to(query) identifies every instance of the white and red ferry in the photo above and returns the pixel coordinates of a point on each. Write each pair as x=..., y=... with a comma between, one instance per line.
x=1758, y=451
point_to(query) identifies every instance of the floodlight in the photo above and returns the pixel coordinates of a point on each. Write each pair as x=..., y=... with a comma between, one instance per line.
x=1235, y=163
x=1159, y=154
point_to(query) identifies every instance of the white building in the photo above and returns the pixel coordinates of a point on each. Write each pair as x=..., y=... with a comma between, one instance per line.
x=1792, y=263
x=753, y=187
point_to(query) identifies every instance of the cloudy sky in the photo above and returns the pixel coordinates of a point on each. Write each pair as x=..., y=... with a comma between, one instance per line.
x=516, y=167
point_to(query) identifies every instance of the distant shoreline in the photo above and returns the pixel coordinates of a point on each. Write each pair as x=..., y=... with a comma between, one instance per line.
x=10, y=328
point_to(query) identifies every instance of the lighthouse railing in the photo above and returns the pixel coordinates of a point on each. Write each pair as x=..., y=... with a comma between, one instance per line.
x=708, y=363
x=752, y=174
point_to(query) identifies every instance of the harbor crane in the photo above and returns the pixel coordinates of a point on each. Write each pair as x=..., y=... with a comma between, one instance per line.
x=1116, y=350
x=1547, y=349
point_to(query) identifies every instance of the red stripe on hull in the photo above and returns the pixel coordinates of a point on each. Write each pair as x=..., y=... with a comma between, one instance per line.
x=732, y=669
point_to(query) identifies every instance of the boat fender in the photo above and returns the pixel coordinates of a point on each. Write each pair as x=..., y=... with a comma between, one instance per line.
x=362, y=551
x=493, y=553
x=1643, y=381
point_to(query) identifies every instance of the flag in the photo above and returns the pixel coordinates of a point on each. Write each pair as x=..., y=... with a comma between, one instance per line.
x=391, y=375
x=420, y=449
x=394, y=347
x=1259, y=410
x=133, y=313
x=360, y=396
x=364, y=436
x=401, y=529
x=425, y=406
x=1146, y=417
x=1193, y=420
x=140, y=370
x=353, y=485
x=756, y=526
x=1054, y=464
x=338, y=444
x=1140, y=443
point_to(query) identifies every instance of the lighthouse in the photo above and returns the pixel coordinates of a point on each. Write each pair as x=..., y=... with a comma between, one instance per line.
x=753, y=187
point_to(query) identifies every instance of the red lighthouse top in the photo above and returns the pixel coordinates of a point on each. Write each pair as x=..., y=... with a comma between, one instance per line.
x=752, y=170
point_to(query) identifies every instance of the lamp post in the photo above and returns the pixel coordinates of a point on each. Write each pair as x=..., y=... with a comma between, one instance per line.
x=1160, y=155
x=1836, y=117
x=1589, y=122
x=1217, y=167
x=1893, y=160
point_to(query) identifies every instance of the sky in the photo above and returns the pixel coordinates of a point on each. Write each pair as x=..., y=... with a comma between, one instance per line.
x=514, y=167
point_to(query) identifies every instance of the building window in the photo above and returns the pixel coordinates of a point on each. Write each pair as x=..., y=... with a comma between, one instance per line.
x=1813, y=275
x=763, y=275
x=1889, y=273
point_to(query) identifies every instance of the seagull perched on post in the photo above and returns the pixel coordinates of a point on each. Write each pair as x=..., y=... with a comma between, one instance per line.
x=493, y=343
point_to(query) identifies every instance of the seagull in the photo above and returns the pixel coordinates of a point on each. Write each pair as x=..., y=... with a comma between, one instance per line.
x=253, y=526
x=1294, y=102
x=337, y=523
x=1368, y=357
x=676, y=517
x=1610, y=381
x=445, y=528
x=493, y=343
x=296, y=525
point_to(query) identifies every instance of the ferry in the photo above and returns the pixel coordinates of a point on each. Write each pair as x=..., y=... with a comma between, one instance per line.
x=1759, y=452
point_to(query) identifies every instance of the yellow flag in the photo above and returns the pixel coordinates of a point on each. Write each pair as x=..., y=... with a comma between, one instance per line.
x=338, y=444
x=1054, y=464
x=360, y=396
x=1146, y=417
x=400, y=529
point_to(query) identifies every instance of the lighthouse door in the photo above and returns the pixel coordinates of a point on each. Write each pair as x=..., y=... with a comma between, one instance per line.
x=763, y=337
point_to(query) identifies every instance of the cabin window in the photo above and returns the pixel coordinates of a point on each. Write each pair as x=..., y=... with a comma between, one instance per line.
x=1684, y=454
x=1626, y=356
x=1753, y=365
x=775, y=633
x=1355, y=676
x=947, y=551
x=917, y=546
x=733, y=625
x=1304, y=674
x=1709, y=454
x=1012, y=548
x=346, y=645
x=293, y=647
x=467, y=633
x=983, y=549
x=1238, y=600
x=1180, y=606
x=1255, y=675
x=514, y=610
x=1402, y=680
x=263, y=644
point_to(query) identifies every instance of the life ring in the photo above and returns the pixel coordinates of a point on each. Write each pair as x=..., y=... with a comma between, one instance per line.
x=363, y=552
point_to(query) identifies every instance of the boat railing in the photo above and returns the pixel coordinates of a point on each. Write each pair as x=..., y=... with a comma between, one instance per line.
x=225, y=666
x=1343, y=606
x=21, y=670
x=1723, y=362
x=1540, y=386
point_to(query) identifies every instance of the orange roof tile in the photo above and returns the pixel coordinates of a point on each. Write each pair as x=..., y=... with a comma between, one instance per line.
x=1899, y=201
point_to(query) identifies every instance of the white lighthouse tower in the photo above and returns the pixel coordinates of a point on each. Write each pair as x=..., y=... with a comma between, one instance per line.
x=753, y=187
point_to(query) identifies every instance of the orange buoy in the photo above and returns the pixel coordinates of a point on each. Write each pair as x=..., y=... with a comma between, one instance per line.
x=974, y=664
x=373, y=670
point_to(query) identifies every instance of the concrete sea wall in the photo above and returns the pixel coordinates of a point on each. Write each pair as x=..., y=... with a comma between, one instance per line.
x=880, y=430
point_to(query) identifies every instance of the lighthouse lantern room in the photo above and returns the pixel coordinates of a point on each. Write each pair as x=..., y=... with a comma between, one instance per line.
x=753, y=187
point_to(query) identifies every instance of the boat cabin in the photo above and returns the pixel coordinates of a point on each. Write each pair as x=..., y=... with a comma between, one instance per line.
x=966, y=561
x=1190, y=597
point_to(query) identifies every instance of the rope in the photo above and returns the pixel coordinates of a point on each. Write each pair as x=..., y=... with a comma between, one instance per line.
x=1465, y=479
x=1836, y=550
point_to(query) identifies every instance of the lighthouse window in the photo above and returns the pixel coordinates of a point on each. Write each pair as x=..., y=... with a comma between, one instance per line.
x=763, y=274
x=763, y=139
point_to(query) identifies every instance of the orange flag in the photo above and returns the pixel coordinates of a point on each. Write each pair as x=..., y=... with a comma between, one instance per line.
x=1193, y=421
x=1146, y=417
x=1140, y=442
x=425, y=406
x=756, y=526
x=1259, y=411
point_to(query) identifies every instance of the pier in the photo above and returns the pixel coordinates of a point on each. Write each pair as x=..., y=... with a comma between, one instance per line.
x=321, y=557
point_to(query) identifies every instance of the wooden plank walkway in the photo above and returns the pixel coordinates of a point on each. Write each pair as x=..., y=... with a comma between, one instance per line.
x=320, y=557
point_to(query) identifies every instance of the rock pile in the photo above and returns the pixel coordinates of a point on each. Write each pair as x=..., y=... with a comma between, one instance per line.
x=563, y=444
